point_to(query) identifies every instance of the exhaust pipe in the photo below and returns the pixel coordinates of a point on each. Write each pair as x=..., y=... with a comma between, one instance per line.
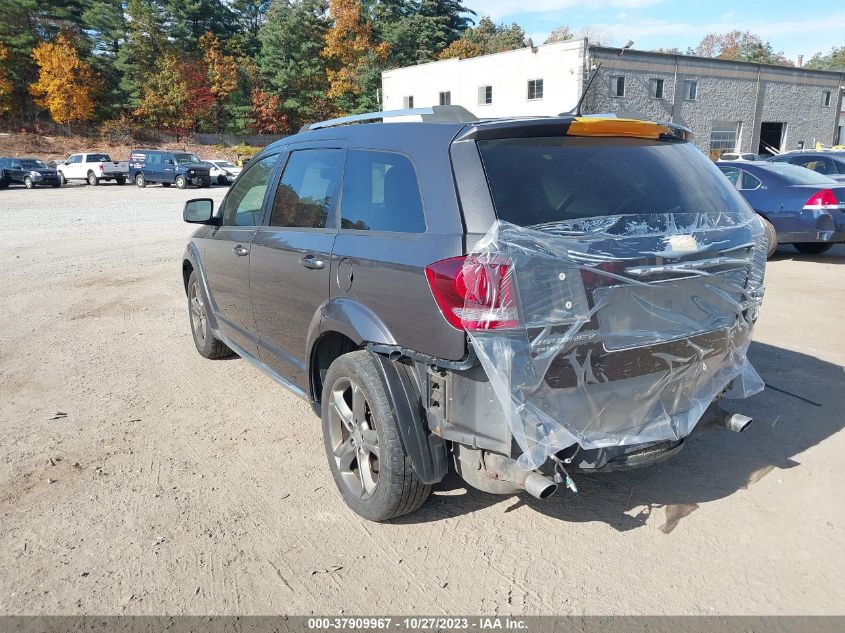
x=539, y=486
x=735, y=422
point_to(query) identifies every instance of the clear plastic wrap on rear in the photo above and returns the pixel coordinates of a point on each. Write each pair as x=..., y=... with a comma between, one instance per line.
x=614, y=330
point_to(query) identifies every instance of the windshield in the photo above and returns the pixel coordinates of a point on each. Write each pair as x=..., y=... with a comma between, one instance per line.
x=32, y=163
x=540, y=180
x=224, y=163
x=184, y=159
x=795, y=175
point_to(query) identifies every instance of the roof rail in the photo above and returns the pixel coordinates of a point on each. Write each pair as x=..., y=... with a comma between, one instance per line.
x=433, y=114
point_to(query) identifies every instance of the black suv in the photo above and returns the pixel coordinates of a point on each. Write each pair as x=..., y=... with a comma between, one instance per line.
x=516, y=298
x=29, y=172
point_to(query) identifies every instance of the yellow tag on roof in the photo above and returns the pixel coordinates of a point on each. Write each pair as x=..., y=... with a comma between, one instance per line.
x=589, y=126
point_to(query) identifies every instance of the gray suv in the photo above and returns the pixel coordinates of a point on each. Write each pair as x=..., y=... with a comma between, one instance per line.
x=517, y=299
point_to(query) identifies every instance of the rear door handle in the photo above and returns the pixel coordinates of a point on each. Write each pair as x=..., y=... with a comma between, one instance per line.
x=240, y=251
x=312, y=262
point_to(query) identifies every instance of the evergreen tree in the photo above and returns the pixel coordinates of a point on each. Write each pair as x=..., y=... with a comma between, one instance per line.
x=834, y=60
x=188, y=20
x=291, y=40
x=485, y=38
x=144, y=45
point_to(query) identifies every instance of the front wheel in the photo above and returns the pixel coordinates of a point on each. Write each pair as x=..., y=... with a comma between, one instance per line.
x=813, y=248
x=28, y=182
x=140, y=180
x=181, y=183
x=92, y=179
x=62, y=179
x=361, y=435
x=207, y=345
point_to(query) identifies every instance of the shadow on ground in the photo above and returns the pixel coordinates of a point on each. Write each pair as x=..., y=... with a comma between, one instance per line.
x=801, y=407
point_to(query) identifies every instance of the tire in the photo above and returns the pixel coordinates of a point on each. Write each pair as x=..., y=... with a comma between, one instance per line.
x=207, y=345
x=181, y=183
x=140, y=180
x=92, y=179
x=388, y=487
x=27, y=182
x=62, y=179
x=221, y=180
x=120, y=181
x=813, y=248
x=165, y=185
x=772, y=235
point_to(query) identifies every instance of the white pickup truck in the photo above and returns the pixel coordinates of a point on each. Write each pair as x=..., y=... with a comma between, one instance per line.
x=93, y=168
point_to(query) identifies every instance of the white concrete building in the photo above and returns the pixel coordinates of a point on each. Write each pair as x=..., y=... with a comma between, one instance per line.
x=493, y=85
x=729, y=105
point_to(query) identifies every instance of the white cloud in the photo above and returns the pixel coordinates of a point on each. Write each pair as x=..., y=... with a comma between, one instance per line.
x=497, y=9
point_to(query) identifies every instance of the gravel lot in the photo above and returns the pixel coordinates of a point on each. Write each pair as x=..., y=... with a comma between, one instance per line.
x=137, y=477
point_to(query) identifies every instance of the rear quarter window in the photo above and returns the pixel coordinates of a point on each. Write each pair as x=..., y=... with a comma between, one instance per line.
x=541, y=180
x=381, y=193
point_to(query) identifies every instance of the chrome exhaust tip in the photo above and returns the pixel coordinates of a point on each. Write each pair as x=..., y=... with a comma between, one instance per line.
x=736, y=422
x=538, y=486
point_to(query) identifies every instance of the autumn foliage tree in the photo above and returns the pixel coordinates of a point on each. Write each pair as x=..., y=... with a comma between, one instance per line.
x=66, y=85
x=349, y=50
x=222, y=74
x=6, y=87
x=177, y=96
x=266, y=115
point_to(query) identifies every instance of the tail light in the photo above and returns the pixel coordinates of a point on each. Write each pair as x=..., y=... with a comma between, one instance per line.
x=102, y=168
x=822, y=199
x=474, y=294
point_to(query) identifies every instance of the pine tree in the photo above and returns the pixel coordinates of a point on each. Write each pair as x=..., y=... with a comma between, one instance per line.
x=145, y=44
x=290, y=62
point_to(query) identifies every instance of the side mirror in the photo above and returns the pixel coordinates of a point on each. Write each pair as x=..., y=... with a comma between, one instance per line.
x=199, y=211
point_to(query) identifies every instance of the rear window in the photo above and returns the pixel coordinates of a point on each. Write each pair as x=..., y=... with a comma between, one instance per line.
x=98, y=158
x=795, y=175
x=539, y=180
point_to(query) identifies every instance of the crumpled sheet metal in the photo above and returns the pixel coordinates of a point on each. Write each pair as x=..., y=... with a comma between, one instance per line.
x=615, y=330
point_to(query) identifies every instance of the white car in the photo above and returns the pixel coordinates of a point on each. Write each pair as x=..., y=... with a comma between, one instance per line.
x=92, y=168
x=223, y=172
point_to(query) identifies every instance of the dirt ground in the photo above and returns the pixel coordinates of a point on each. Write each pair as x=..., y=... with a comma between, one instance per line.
x=137, y=477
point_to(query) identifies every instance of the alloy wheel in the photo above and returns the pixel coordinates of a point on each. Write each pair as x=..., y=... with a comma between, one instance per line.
x=353, y=438
x=199, y=317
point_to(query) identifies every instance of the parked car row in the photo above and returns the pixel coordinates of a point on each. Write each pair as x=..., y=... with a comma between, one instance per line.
x=144, y=167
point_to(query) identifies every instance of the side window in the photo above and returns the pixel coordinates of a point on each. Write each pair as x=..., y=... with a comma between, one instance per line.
x=243, y=204
x=750, y=182
x=153, y=160
x=307, y=191
x=817, y=164
x=380, y=193
x=732, y=174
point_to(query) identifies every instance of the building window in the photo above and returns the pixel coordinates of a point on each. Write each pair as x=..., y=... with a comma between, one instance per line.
x=826, y=98
x=485, y=95
x=408, y=102
x=535, y=89
x=723, y=137
x=446, y=98
x=655, y=88
x=617, y=86
x=690, y=89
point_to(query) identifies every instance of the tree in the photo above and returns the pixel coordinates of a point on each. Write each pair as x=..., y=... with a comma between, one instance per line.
x=66, y=85
x=350, y=51
x=177, y=96
x=290, y=62
x=834, y=60
x=560, y=34
x=266, y=114
x=105, y=23
x=740, y=46
x=188, y=20
x=143, y=47
x=222, y=74
x=6, y=87
x=485, y=38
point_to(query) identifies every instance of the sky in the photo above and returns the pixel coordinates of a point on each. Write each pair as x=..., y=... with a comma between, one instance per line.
x=795, y=28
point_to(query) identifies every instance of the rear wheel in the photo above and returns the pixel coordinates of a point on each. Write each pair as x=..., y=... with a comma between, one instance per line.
x=120, y=181
x=207, y=345
x=140, y=180
x=165, y=184
x=28, y=183
x=813, y=248
x=772, y=236
x=181, y=182
x=361, y=435
x=221, y=180
x=92, y=179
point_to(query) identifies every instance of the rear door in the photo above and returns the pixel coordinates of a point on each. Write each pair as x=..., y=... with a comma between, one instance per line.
x=290, y=268
x=227, y=254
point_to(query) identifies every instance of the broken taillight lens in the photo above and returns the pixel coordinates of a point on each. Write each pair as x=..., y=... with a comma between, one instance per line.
x=473, y=294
